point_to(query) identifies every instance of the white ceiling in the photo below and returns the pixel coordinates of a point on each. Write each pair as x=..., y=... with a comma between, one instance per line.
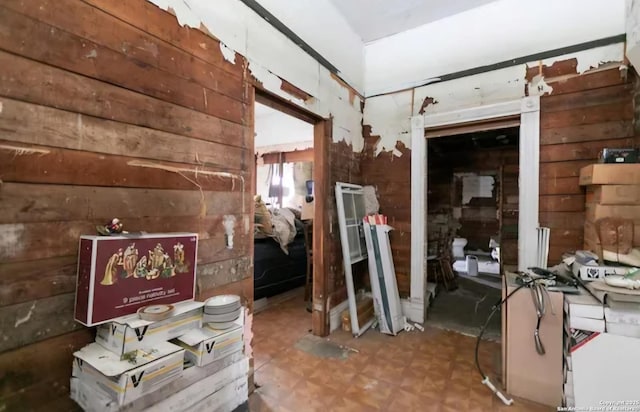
x=278, y=130
x=375, y=19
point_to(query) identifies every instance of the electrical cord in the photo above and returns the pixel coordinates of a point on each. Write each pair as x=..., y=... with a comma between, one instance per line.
x=537, y=295
x=537, y=292
x=494, y=309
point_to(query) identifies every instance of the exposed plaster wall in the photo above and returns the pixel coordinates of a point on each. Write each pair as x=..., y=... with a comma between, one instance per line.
x=492, y=33
x=389, y=115
x=273, y=57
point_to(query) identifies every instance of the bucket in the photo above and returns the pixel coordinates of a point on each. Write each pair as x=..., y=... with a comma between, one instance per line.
x=472, y=265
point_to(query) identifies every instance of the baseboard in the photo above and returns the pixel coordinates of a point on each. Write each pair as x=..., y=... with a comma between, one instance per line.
x=413, y=311
x=334, y=315
x=264, y=303
x=260, y=305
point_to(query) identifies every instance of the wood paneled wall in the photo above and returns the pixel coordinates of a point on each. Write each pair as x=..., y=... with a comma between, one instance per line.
x=344, y=166
x=480, y=218
x=391, y=175
x=583, y=115
x=108, y=109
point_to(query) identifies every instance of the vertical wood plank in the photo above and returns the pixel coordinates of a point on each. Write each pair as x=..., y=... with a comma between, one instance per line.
x=322, y=132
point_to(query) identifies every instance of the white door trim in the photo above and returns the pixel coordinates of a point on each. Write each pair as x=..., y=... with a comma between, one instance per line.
x=529, y=110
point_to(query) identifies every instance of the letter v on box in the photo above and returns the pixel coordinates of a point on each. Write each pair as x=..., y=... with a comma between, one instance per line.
x=125, y=380
x=129, y=333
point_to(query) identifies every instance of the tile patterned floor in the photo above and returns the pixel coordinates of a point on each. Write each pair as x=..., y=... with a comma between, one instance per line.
x=414, y=371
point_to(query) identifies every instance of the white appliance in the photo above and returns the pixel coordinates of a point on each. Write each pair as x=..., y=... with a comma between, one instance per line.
x=382, y=273
x=457, y=249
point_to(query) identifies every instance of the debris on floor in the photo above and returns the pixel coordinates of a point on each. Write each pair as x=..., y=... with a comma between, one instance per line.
x=323, y=348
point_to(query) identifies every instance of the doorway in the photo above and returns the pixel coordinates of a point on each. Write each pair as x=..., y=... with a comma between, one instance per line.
x=289, y=184
x=472, y=231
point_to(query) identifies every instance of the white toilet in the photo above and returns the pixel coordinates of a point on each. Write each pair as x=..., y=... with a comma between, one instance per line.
x=457, y=248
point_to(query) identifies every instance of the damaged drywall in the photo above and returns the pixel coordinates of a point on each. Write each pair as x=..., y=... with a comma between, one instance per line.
x=272, y=57
x=389, y=115
x=587, y=59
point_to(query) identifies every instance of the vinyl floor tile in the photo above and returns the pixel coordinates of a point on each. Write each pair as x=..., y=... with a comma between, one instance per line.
x=425, y=371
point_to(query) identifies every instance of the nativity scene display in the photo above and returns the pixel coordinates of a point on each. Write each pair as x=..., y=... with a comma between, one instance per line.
x=156, y=263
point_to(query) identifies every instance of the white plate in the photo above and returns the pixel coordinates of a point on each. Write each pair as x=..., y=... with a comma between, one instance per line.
x=221, y=310
x=222, y=300
x=224, y=317
x=221, y=325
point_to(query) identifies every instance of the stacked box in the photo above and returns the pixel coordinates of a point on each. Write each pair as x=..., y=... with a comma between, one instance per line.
x=613, y=190
x=205, y=345
x=596, y=363
x=132, y=366
x=117, y=275
x=129, y=333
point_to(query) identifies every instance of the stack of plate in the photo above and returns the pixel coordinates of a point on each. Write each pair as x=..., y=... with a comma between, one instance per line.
x=221, y=312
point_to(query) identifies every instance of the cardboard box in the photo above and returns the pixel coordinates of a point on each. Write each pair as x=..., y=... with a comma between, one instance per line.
x=614, y=194
x=588, y=324
x=595, y=212
x=606, y=368
x=622, y=312
x=119, y=274
x=591, y=235
x=206, y=345
x=222, y=391
x=129, y=333
x=527, y=374
x=90, y=398
x=610, y=174
x=126, y=380
x=191, y=377
x=583, y=305
x=624, y=329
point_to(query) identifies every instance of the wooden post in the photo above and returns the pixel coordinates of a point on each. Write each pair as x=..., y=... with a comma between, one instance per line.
x=321, y=137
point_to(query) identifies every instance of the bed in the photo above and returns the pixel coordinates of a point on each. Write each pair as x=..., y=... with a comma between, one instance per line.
x=275, y=272
x=280, y=254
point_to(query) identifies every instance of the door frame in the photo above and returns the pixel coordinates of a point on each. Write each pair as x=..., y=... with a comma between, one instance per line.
x=322, y=132
x=528, y=109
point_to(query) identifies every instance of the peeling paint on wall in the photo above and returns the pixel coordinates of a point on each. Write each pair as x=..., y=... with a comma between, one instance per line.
x=407, y=59
x=389, y=115
x=539, y=86
x=228, y=54
x=11, y=240
x=426, y=102
x=588, y=59
x=271, y=58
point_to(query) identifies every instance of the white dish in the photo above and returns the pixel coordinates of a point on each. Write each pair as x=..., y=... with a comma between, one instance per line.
x=224, y=317
x=220, y=325
x=222, y=300
x=221, y=310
